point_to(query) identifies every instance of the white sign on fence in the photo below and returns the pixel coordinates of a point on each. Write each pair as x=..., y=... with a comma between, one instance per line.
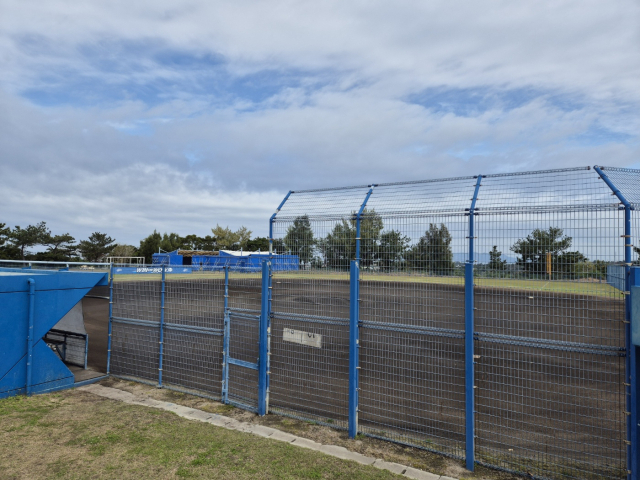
x=303, y=338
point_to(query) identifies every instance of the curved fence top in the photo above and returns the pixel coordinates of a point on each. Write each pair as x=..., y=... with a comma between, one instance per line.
x=546, y=190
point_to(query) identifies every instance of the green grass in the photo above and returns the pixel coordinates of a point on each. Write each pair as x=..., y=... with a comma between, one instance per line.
x=78, y=435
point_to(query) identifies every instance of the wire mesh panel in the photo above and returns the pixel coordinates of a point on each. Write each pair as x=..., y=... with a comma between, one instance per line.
x=412, y=338
x=245, y=293
x=135, y=334
x=310, y=309
x=412, y=314
x=194, y=313
x=549, y=329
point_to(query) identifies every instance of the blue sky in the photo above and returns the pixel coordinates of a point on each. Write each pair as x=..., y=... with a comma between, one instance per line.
x=123, y=117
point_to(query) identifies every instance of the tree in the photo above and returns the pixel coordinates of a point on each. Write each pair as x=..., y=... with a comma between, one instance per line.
x=371, y=226
x=194, y=242
x=393, y=248
x=96, y=247
x=339, y=247
x=258, y=243
x=29, y=237
x=171, y=242
x=433, y=251
x=229, y=240
x=8, y=251
x=534, y=249
x=150, y=245
x=59, y=247
x=299, y=239
x=495, y=259
x=122, y=250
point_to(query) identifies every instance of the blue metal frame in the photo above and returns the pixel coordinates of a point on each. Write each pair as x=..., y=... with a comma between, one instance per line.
x=264, y=338
x=225, y=342
x=632, y=365
x=162, y=294
x=32, y=307
x=469, y=329
x=354, y=324
x=110, y=319
x=273, y=217
x=354, y=346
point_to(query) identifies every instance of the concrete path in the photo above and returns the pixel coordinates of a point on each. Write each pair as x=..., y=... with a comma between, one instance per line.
x=268, y=432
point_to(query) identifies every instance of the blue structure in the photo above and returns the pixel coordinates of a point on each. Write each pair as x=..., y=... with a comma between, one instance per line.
x=31, y=303
x=234, y=260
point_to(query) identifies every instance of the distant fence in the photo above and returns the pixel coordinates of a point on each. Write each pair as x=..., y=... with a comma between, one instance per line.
x=485, y=318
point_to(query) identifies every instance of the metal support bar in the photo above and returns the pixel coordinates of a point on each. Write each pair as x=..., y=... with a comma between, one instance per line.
x=244, y=364
x=632, y=357
x=264, y=332
x=32, y=307
x=469, y=327
x=86, y=350
x=272, y=219
x=161, y=350
x=354, y=314
x=358, y=218
x=225, y=342
x=110, y=318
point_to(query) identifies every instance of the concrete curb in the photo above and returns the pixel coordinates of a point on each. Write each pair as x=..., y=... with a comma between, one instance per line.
x=267, y=432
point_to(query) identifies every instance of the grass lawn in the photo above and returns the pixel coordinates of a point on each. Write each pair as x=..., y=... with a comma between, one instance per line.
x=75, y=434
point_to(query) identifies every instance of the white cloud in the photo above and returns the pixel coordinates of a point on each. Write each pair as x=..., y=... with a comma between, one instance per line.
x=105, y=105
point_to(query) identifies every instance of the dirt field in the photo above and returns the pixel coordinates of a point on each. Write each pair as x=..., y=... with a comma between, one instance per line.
x=548, y=401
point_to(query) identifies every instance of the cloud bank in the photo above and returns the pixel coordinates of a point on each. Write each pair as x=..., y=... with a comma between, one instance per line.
x=123, y=117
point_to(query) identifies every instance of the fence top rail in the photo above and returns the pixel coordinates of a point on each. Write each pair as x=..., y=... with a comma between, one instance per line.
x=46, y=262
x=544, y=190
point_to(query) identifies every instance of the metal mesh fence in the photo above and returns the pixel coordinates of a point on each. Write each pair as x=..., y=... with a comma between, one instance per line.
x=244, y=320
x=135, y=327
x=489, y=311
x=193, y=322
x=310, y=311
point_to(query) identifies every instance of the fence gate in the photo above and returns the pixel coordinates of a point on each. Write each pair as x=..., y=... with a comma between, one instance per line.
x=241, y=338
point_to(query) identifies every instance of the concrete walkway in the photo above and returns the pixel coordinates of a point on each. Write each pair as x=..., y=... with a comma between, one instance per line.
x=272, y=433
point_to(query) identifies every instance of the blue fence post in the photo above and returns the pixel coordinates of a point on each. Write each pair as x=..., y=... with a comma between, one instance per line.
x=225, y=341
x=162, y=294
x=32, y=307
x=469, y=350
x=632, y=356
x=263, y=360
x=354, y=324
x=110, y=319
x=354, y=345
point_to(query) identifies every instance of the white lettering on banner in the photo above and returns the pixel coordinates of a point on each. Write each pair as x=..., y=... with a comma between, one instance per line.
x=153, y=270
x=303, y=338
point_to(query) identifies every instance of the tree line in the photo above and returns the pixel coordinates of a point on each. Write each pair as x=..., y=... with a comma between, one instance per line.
x=17, y=244
x=390, y=249
x=380, y=248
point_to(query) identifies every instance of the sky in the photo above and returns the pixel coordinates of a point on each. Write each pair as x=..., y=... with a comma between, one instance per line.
x=125, y=117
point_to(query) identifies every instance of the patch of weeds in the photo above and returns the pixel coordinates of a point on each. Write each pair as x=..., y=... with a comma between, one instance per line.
x=182, y=472
x=360, y=436
x=224, y=408
x=60, y=468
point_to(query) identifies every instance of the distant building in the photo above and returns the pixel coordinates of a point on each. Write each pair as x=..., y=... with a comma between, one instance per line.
x=235, y=260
